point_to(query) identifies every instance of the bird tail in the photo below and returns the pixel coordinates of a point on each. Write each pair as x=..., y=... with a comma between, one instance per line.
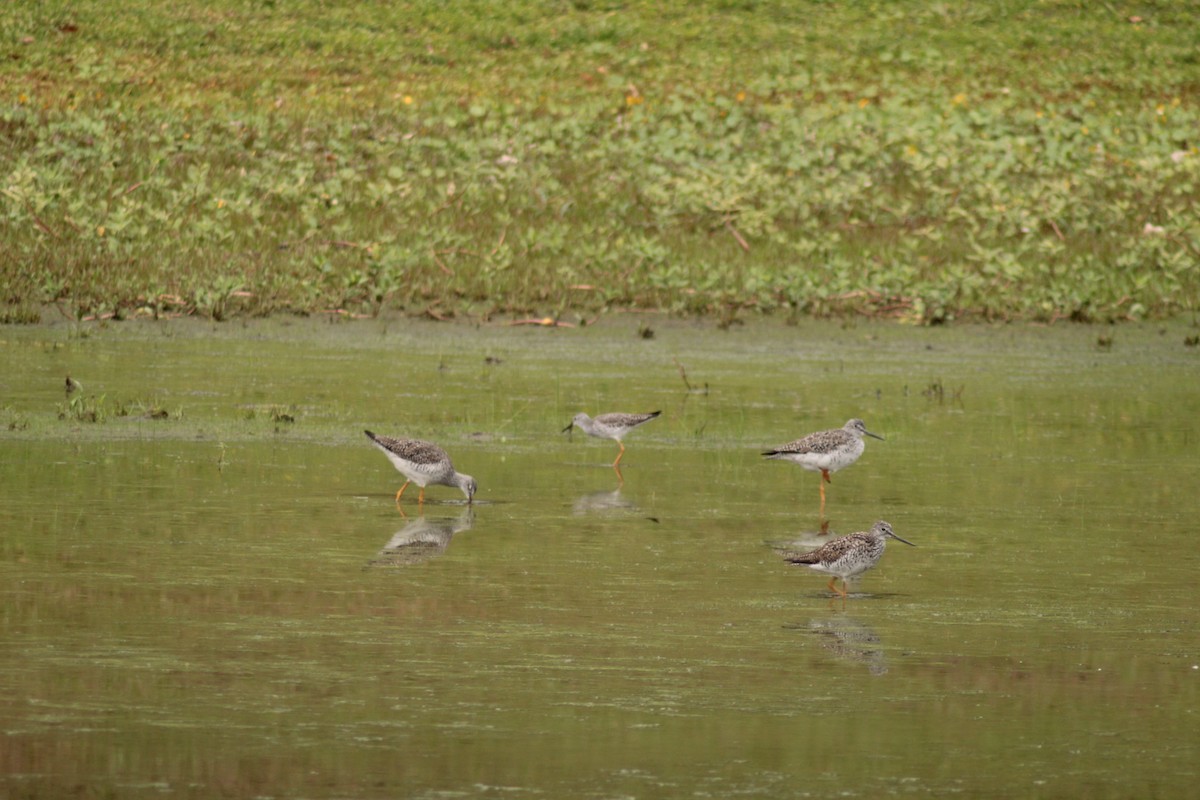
x=805, y=559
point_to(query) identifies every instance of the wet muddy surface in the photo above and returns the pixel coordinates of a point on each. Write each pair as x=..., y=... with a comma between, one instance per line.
x=208, y=588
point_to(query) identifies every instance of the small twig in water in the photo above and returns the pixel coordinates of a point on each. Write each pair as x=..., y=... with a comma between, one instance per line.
x=683, y=374
x=691, y=389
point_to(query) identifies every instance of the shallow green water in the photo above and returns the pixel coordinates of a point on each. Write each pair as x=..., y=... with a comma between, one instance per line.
x=225, y=603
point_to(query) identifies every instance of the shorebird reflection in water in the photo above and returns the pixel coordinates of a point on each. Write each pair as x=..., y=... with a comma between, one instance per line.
x=422, y=539
x=849, y=556
x=603, y=503
x=826, y=451
x=424, y=464
x=851, y=640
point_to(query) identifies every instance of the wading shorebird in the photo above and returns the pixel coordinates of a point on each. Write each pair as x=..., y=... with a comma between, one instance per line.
x=424, y=464
x=611, y=426
x=826, y=451
x=848, y=556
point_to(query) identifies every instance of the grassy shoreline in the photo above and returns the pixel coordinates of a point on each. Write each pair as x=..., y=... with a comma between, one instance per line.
x=1026, y=160
x=126, y=381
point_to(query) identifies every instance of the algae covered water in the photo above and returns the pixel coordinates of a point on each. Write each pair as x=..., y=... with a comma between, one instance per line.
x=208, y=589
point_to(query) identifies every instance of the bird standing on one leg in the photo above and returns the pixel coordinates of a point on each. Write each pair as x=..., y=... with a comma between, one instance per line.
x=422, y=463
x=850, y=555
x=826, y=451
x=611, y=426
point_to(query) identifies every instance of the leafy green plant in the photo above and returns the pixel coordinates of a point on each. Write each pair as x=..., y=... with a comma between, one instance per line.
x=84, y=408
x=12, y=420
x=680, y=157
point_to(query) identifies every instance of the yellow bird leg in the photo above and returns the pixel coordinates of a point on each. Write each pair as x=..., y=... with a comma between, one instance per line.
x=618, y=461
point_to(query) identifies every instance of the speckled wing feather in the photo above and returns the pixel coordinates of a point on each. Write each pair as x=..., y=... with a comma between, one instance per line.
x=417, y=452
x=830, y=551
x=619, y=420
x=822, y=442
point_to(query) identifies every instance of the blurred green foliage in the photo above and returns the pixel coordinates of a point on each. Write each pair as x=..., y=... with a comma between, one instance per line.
x=929, y=161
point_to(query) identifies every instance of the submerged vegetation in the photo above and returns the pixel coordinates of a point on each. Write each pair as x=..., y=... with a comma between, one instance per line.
x=926, y=161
